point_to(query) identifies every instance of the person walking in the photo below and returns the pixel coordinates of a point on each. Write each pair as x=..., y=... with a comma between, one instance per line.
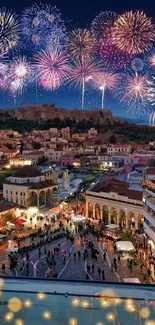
x=103, y=275
x=141, y=266
x=99, y=271
x=119, y=259
x=115, y=267
x=104, y=256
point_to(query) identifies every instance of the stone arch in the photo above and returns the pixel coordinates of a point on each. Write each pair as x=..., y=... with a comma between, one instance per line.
x=42, y=198
x=97, y=212
x=105, y=213
x=140, y=220
x=113, y=215
x=131, y=220
x=33, y=198
x=122, y=218
x=54, y=189
x=90, y=210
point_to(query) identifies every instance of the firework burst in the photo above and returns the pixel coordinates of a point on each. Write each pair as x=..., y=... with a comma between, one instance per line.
x=42, y=26
x=20, y=69
x=133, y=32
x=80, y=44
x=137, y=64
x=9, y=30
x=112, y=57
x=52, y=68
x=106, y=80
x=151, y=91
x=133, y=91
x=102, y=23
x=81, y=72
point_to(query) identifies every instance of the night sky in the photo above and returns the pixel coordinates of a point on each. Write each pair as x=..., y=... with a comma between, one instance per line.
x=78, y=14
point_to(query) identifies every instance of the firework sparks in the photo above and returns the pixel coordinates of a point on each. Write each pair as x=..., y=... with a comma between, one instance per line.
x=151, y=58
x=151, y=91
x=80, y=44
x=137, y=64
x=81, y=72
x=112, y=57
x=133, y=90
x=52, y=69
x=102, y=23
x=106, y=80
x=8, y=30
x=20, y=69
x=133, y=32
x=42, y=26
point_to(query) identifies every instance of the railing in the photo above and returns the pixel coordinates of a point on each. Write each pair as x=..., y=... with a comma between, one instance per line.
x=150, y=204
x=29, y=301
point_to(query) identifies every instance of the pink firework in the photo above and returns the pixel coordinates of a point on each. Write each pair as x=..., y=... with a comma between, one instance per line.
x=106, y=80
x=82, y=71
x=52, y=68
x=20, y=69
x=112, y=57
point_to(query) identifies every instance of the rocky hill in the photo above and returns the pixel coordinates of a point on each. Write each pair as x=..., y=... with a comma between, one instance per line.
x=44, y=112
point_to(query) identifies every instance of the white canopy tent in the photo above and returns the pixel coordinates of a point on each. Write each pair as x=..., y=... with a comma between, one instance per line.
x=78, y=218
x=124, y=246
x=131, y=280
x=112, y=226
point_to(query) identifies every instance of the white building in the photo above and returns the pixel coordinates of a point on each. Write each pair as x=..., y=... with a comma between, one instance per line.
x=54, y=155
x=28, y=186
x=113, y=201
x=118, y=148
x=149, y=213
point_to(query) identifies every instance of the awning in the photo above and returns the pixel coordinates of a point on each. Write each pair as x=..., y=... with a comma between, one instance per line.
x=18, y=221
x=112, y=226
x=124, y=246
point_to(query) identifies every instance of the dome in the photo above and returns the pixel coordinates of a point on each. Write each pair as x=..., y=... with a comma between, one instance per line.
x=27, y=171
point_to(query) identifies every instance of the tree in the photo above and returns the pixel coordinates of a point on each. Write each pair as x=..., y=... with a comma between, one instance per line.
x=127, y=235
x=36, y=145
x=151, y=162
x=42, y=160
x=112, y=139
x=9, y=145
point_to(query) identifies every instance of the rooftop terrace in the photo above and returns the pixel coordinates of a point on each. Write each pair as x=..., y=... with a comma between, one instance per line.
x=42, y=301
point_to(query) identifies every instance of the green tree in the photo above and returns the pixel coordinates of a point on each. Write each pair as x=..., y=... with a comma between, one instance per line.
x=36, y=145
x=151, y=162
x=112, y=139
x=127, y=235
x=42, y=160
x=9, y=145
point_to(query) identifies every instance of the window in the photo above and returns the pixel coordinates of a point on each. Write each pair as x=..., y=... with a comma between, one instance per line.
x=24, y=194
x=11, y=192
x=24, y=202
x=6, y=191
x=21, y=202
x=21, y=193
x=16, y=193
x=16, y=201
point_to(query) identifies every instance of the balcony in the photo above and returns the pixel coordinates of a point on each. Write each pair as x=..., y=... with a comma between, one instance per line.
x=149, y=217
x=39, y=302
x=149, y=231
x=150, y=204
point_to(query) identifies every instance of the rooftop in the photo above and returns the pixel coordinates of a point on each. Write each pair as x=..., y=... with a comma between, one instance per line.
x=5, y=207
x=27, y=171
x=43, y=301
x=110, y=184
